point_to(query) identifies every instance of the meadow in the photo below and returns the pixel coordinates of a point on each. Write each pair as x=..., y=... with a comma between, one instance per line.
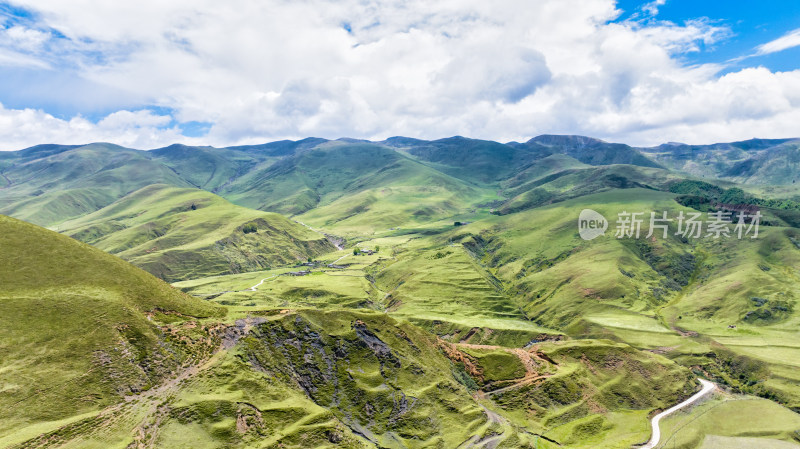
x=403, y=293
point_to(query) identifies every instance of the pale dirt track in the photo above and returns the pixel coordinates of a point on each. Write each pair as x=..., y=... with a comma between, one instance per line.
x=708, y=387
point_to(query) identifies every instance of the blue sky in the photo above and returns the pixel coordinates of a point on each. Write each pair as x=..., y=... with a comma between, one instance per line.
x=249, y=71
x=752, y=23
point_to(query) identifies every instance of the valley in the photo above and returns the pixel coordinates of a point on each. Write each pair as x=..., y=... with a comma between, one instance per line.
x=403, y=293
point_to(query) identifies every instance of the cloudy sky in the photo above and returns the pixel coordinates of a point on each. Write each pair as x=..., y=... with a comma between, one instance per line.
x=152, y=72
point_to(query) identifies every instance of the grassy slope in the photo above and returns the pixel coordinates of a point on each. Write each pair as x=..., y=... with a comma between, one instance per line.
x=178, y=233
x=475, y=161
x=732, y=422
x=776, y=165
x=531, y=189
x=756, y=161
x=649, y=293
x=605, y=288
x=355, y=187
x=206, y=168
x=47, y=188
x=449, y=294
x=588, y=150
x=499, y=273
x=501, y=264
x=75, y=333
x=654, y=293
x=50, y=183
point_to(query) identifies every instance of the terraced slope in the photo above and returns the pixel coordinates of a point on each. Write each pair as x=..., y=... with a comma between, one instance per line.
x=725, y=304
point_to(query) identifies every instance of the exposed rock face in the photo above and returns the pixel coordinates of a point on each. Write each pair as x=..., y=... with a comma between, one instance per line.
x=368, y=373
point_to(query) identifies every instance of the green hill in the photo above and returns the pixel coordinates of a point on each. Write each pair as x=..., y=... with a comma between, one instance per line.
x=206, y=168
x=76, y=328
x=178, y=233
x=481, y=319
x=725, y=296
x=588, y=150
x=755, y=161
x=48, y=184
x=779, y=164
x=477, y=161
x=565, y=183
x=348, y=184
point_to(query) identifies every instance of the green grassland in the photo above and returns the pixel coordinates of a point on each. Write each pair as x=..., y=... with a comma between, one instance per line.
x=46, y=187
x=178, y=233
x=732, y=421
x=76, y=340
x=756, y=161
x=656, y=293
x=507, y=280
x=482, y=320
x=356, y=188
x=206, y=168
x=396, y=182
x=47, y=184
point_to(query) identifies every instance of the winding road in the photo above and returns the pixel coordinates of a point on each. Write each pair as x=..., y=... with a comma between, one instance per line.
x=253, y=288
x=708, y=387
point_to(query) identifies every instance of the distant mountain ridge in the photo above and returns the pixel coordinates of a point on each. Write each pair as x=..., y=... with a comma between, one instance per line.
x=50, y=183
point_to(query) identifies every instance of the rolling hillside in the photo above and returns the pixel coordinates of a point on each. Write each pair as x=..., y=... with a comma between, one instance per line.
x=755, y=161
x=464, y=311
x=588, y=150
x=48, y=184
x=76, y=331
x=178, y=233
x=337, y=181
x=104, y=355
x=683, y=296
x=476, y=161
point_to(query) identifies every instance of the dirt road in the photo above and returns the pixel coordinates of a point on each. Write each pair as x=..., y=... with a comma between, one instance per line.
x=708, y=387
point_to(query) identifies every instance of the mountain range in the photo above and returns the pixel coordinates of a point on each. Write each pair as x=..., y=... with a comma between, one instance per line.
x=392, y=294
x=47, y=184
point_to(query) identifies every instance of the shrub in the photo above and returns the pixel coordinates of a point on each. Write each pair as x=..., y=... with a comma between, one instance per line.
x=249, y=228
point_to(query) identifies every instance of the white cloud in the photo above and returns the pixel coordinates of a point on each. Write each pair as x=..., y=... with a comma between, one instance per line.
x=17, y=59
x=652, y=7
x=506, y=70
x=139, y=129
x=785, y=42
x=19, y=45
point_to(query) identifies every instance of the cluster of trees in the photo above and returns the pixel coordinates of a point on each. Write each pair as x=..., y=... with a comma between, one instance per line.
x=699, y=193
x=357, y=250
